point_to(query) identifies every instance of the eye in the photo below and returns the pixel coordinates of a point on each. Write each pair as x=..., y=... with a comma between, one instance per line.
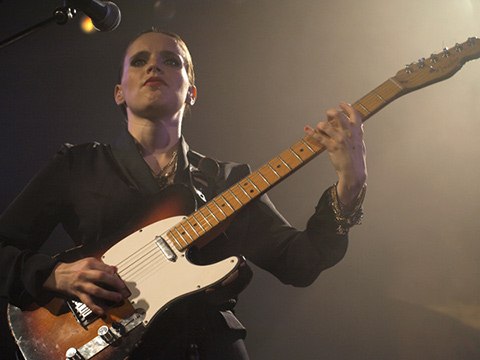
x=172, y=62
x=137, y=62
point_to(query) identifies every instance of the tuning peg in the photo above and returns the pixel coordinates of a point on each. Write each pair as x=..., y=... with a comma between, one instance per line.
x=408, y=68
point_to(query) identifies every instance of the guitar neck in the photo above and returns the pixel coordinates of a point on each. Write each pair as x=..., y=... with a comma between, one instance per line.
x=227, y=204
x=378, y=98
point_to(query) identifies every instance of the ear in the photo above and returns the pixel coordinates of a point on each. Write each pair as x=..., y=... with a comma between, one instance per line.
x=191, y=95
x=118, y=93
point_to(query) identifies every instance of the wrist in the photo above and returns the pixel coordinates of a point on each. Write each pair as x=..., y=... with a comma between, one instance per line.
x=349, y=191
x=51, y=283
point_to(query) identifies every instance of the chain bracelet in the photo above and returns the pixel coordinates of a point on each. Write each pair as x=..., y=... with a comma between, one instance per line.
x=347, y=219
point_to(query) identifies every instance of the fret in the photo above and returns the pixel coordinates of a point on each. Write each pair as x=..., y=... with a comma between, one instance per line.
x=238, y=195
x=229, y=194
x=279, y=167
x=219, y=209
x=181, y=237
x=395, y=83
x=284, y=163
x=258, y=181
x=388, y=91
x=303, y=150
x=308, y=146
x=300, y=161
x=199, y=222
x=243, y=190
x=190, y=229
x=174, y=240
x=216, y=210
x=363, y=113
x=222, y=201
x=210, y=211
x=205, y=218
x=377, y=95
x=185, y=232
x=377, y=99
x=273, y=170
x=363, y=107
x=263, y=178
x=194, y=225
x=268, y=174
x=253, y=190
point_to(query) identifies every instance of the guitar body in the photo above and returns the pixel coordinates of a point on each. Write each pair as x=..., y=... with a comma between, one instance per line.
x=158, y=276
x=48, y=332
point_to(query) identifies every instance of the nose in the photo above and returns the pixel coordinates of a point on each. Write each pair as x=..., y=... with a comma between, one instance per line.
x=154, y=65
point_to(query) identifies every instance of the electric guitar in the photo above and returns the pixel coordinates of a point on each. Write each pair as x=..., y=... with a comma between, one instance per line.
x=153, y=261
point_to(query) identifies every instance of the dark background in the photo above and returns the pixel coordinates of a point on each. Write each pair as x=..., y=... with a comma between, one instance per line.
x=409, y=286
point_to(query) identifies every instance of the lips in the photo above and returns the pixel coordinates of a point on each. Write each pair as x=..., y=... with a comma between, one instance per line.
x=154, y=81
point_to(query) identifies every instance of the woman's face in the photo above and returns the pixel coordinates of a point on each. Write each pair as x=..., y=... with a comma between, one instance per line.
x=155, y=81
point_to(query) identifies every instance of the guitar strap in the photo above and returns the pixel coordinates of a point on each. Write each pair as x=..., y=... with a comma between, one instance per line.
x=205, y=176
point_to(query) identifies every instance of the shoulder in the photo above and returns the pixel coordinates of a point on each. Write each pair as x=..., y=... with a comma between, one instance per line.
x=93, y=146
x=83, y=153
x=85, y=149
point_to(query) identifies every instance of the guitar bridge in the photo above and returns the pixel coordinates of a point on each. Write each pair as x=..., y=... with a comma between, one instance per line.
x=82, y=313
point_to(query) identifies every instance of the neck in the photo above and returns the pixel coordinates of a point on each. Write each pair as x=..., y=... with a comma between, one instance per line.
x=156, y=137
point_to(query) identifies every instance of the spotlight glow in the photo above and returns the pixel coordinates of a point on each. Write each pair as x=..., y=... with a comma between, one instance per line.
x=86, y=25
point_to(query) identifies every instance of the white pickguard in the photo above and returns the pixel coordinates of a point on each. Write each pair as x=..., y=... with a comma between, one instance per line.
x=155, y=281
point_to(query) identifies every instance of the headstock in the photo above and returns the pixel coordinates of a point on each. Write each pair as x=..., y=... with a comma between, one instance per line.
x=437, y=67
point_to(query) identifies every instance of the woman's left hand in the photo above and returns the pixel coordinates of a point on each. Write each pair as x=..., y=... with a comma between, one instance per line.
x=342, y=137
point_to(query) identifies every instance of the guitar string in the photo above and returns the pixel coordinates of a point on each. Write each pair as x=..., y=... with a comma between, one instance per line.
x=144, y=271
x=120, y=264
x=139, y=261
x=139, y=255
x=147, y=271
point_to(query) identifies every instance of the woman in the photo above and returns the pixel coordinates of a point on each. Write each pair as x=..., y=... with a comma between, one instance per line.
x=96, y=190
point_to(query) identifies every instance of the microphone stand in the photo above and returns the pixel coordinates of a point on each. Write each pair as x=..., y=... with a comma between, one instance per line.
x=60, y=16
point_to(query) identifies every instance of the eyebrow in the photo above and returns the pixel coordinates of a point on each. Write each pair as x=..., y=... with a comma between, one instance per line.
x=163, y=53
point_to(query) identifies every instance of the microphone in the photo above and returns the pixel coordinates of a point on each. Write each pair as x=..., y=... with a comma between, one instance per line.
x=105, y=16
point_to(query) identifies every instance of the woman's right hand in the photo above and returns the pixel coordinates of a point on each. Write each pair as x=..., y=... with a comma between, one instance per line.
x=84, y=279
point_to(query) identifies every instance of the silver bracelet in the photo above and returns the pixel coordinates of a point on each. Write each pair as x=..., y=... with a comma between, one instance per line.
x=347, y=219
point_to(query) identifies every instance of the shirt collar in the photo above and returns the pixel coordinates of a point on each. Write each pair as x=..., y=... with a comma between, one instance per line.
x=137, y=171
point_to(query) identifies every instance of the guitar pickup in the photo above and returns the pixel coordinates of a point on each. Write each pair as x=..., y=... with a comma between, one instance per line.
x=165, y=248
